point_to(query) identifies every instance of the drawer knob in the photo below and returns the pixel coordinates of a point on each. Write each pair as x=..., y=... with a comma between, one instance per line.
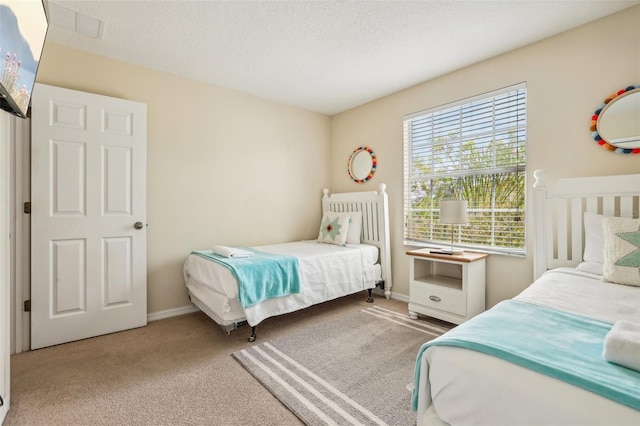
x=435, y=298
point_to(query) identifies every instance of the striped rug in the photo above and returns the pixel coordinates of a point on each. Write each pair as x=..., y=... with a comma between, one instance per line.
x=352, y=370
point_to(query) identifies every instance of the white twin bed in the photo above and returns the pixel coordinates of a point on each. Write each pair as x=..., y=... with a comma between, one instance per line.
x=327, y=271
x=456, y=385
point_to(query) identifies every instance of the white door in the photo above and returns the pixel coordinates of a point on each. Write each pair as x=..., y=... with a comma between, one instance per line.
x=88, y=215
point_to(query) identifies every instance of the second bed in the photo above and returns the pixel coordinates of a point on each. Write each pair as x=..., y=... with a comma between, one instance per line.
x=327, y=271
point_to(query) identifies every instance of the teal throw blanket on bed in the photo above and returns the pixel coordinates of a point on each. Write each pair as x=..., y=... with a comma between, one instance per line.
x=565, y=346
x=260, y=277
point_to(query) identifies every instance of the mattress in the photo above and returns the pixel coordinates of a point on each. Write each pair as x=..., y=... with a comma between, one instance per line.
x=327, y=272
x=459, y=386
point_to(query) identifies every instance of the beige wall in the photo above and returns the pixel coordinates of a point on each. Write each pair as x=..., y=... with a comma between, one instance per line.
x=223, y=167
x=229, y=168
x=567, y=77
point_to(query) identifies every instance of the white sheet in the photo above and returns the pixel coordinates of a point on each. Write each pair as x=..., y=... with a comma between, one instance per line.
x=327, y=272
x=582, y=293
x=496, y=392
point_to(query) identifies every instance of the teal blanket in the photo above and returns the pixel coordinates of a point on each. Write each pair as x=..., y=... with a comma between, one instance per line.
x=565, y=346
x=261, y=277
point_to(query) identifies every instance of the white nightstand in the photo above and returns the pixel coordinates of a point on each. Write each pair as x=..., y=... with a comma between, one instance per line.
x=448, y=287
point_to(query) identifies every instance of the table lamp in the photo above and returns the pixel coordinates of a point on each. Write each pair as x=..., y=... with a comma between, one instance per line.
x=453, y=212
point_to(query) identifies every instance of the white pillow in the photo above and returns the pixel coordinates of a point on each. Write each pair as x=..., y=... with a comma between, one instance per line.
x=334, y=228
x=621, y=250
x=355, y=227
x=591, y=267
x=593, y=238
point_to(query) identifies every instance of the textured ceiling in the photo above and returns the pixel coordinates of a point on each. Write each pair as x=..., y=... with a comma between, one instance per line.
x=325, y=56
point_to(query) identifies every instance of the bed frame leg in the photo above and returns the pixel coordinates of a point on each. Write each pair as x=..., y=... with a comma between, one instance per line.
x=370, y=298
x=252, y=338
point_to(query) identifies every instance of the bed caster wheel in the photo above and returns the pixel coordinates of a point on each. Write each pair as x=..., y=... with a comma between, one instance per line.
x=252, y=338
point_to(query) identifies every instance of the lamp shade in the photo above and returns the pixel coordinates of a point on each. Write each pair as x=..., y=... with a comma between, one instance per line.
x=453, y=212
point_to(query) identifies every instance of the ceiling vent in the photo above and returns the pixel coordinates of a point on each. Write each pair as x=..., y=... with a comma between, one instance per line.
x=71, y=20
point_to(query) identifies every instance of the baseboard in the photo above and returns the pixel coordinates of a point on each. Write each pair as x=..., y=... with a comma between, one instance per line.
x=400, y=297
x=154, y=316
x=394, y=296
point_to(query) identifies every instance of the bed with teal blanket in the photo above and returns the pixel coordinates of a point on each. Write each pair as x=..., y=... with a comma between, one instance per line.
x=558, y=344
x=285, y=277
x=530, y=361
x=548, y=355
x=278, y=279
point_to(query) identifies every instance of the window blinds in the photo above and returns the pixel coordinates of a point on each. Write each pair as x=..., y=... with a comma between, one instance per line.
x=474, y=149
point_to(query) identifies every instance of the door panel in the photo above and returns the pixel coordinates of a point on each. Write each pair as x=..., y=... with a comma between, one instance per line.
x=88, y=190
x=67, y=281
x=117, y=180
x=68, y=179
x=117, y=266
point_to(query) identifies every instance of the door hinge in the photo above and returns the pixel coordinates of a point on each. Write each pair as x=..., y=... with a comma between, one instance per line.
x=27, y=305
x=27, y=207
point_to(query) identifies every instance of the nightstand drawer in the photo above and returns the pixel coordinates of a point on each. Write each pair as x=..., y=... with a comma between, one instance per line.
x=444, y=299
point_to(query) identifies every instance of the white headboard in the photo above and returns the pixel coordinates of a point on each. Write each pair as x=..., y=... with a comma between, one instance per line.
x=375, y=222
x=558, y=214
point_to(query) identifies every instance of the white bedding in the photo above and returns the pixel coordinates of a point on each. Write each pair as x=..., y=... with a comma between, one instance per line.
x=467, y=387
x=581, y=293
x=327, y=272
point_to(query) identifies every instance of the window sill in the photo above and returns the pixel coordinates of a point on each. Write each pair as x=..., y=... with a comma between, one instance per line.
x=491, y=251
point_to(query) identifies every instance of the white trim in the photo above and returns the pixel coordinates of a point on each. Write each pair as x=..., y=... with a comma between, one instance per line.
x=400, y=297
x=21, y=321
x=392, y=295
x=471, y=99
x=6, y=129
x=423, y=137
x=174, y=312
x=10, y=174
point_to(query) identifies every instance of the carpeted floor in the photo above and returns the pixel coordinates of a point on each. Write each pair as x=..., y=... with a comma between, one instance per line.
x=353, y=369
x=177, y=371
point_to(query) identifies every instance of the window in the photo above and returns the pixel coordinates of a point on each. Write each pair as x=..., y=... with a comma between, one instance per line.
x=473, y=150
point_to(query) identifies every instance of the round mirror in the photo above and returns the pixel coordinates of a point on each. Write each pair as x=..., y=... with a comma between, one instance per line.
x=362, y=164
x=616, y=123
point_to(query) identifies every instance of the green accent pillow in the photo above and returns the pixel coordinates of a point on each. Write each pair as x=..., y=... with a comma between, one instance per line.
x=621, y=250
x=334, y=228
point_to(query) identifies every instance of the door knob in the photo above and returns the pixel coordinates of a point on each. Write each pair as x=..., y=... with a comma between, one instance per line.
x=138, y=225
